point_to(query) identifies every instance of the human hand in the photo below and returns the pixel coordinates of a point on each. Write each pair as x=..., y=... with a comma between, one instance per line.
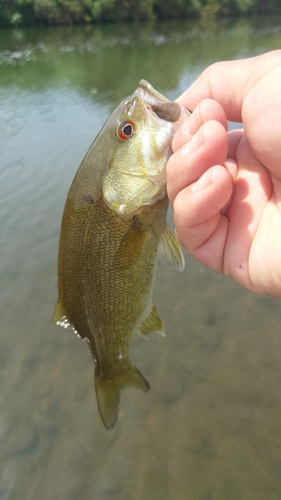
x=225, y=188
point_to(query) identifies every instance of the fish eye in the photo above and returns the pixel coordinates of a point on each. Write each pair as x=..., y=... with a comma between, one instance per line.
x=125, y=131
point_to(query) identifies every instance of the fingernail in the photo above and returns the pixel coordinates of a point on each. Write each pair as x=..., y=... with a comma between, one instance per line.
x=194, y=144
x=187, y=129
x=204, y=181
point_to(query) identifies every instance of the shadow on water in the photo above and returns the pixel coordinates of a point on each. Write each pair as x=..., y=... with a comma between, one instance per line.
x=209, y=429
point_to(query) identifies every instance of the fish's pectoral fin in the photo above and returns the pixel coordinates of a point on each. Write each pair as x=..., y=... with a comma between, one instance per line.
x=169, y=250
x=151, y=323
x=59, y=316
x=131, y=246
x=108, y=392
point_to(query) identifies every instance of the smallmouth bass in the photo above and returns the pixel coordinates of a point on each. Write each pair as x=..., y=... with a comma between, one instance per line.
x=113, y=232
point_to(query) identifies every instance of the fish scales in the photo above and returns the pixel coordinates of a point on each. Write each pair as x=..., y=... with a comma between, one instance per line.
x=106, y=285
x=110, y=242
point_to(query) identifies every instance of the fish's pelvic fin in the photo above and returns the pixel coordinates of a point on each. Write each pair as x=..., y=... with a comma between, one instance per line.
x=108, y=392
x=151, y=323
x=59, y=316
x=169, y=250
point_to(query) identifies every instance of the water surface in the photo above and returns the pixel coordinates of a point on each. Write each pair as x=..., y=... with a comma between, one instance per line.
x=210, y=427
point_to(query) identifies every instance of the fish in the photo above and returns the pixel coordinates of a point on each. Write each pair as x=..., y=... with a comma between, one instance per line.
x=113, y=232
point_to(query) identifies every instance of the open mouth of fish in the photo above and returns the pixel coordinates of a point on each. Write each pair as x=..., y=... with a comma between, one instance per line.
x=163, y=108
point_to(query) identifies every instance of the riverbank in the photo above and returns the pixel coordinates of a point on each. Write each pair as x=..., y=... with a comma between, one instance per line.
x=65, y=12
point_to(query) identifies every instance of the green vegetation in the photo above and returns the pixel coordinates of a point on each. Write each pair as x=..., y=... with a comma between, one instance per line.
x=26, y=12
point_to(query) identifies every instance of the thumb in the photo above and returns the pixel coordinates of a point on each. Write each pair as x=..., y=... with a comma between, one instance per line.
x=229, y=82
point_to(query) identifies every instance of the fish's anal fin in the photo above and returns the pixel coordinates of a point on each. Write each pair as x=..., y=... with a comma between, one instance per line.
x=108, y=392
x=151, y=323
x=59, y=316
x=169, y=250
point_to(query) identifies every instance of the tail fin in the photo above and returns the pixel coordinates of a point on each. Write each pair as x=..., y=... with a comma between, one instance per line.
x=108, y=392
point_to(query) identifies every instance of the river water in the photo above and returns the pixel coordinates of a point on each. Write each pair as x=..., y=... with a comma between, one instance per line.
x=210, y=427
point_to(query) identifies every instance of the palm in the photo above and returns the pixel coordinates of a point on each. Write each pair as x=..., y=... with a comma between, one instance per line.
x=264, y=255
x=254, y=216
x=252, y=246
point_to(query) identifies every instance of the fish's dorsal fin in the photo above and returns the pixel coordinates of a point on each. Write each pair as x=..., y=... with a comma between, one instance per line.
x=151, y=323
x=59, y=316
x=169, y=250
x=108, y=392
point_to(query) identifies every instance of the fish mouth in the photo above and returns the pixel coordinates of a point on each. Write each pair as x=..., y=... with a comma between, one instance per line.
x=162, y=107
x=147, y=87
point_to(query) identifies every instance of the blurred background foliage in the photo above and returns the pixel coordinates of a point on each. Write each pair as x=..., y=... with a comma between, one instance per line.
x=57, y=12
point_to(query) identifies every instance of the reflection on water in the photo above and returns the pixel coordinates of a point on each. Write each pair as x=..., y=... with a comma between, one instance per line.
x=210, y=428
